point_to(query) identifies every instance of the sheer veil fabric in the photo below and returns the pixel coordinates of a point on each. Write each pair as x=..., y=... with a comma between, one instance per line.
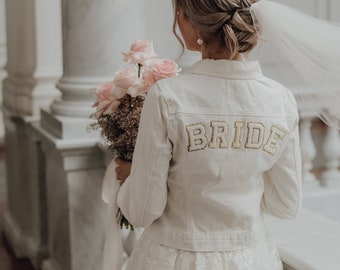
x=307, y=53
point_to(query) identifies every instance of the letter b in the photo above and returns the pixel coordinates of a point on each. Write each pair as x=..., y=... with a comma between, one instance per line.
x=197, y=137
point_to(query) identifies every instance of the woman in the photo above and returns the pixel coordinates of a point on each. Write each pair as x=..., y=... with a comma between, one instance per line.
x=217, y=148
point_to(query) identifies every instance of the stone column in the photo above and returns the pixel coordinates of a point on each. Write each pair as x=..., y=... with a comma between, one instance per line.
x=3, y=58
x=308, y=150
x=33, y=66
x=34, y=61
x=94, y=35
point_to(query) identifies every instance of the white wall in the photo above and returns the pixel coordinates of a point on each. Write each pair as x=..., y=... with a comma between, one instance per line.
x=323, y=9
x=159, y=19
x=313, y=7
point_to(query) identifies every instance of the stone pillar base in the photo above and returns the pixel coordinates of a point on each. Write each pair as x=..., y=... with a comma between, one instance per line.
x=67, y=128
x=76, y=213
x=330, y=180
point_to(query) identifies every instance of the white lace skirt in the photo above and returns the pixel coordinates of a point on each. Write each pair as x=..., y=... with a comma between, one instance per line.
x=149, y=255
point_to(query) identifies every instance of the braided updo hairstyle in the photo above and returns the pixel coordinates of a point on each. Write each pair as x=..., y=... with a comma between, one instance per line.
x=228, y=21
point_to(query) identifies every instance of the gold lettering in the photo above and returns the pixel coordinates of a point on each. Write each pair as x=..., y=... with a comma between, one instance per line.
x=197, y=137
x=255, y=135
x=219, y=134
x=237, y=143
x=275, y=136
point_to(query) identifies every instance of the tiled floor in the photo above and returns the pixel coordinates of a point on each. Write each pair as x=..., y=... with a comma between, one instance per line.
x=8, y=261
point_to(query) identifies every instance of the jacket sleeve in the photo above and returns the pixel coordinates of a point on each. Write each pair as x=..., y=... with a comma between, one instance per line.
x=282, y=182
x=143, y=196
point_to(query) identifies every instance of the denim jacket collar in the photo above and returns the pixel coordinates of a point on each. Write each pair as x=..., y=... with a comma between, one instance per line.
x=228, y=69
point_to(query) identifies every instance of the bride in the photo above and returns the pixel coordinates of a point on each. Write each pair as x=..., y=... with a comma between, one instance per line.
x=204, y=209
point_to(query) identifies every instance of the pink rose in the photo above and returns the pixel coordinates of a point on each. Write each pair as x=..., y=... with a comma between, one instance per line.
x=137, y=88
x=106, y=107
x=108, y=96
x=126, y=77
x=104, y=98
x=104, y=91
x=164, y=68
x=160, y=69
x=140, y=51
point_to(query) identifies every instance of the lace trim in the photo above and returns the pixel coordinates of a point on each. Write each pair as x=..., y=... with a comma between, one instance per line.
x=149, y=255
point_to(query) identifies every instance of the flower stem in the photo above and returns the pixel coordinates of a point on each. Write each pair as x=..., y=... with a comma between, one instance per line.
x=139, y=69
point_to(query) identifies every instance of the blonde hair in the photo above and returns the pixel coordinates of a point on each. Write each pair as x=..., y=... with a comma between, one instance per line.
x=228, y=21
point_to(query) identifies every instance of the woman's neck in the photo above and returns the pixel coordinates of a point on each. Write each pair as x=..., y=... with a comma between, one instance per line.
x=216, y=52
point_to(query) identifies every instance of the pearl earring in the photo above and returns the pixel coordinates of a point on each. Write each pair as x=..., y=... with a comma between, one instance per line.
x=199, y=41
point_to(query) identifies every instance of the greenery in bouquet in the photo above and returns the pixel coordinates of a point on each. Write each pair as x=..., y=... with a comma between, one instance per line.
x=119, y=102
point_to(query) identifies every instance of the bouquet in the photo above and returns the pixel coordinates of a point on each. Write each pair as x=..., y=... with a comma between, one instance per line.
x=119, y=102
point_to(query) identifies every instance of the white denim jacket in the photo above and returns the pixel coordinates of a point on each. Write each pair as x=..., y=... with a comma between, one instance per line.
x=217, y=147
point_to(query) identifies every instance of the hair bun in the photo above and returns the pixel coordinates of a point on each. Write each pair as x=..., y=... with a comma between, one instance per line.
x=240, y=33
x=242, y=20
x=229, y=21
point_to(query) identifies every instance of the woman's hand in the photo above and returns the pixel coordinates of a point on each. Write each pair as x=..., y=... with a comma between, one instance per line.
x=122, y=170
